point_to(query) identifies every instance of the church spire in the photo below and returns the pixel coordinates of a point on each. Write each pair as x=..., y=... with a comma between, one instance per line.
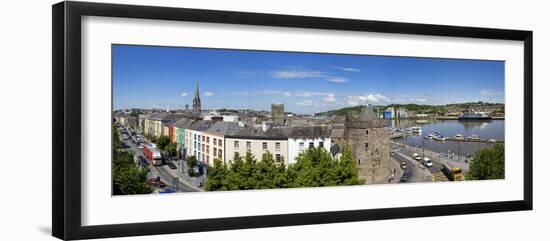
x=197, y=100
x=197, y=90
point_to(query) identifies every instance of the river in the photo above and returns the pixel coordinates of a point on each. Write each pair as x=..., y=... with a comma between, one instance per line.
x=493, y=129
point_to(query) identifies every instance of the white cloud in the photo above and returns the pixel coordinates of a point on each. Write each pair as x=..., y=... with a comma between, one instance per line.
x=306, y=74
x=348, y=69
x=337, y=79
x=277, y=92
x=208, y=94
x=296, y=74
x=367, y=99
x=490, y=92
x=421, y=100
x=305, y=103
x=311, y=93
x=331, y=98
x=183, y=94
x=241, y=93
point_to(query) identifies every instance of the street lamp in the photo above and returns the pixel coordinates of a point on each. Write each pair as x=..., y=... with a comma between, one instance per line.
x=458, y=150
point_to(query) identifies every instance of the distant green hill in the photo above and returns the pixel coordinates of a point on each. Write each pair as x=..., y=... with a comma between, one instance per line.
x=416, y=108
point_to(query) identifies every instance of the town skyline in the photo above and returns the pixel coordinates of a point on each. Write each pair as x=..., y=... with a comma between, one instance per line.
x=164, y=78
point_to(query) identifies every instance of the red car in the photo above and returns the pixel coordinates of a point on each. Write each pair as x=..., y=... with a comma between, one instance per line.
x=155, y=182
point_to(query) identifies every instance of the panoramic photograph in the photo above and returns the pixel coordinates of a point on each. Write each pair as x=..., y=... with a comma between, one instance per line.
x=188, y=119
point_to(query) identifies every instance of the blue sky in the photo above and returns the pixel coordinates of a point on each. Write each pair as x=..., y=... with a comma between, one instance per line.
x=164, y=77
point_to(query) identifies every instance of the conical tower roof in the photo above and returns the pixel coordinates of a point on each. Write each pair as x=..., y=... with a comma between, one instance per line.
x=197, y=90
x=365, y=119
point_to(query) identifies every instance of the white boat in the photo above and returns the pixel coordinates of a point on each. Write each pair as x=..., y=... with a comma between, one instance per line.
x=438, y=136
x=491, y=140
x=473, y=138
x=416, y=129
x=458, y=137
x=429, y=137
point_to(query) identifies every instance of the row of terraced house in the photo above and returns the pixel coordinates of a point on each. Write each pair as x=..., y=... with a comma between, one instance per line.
x=208, y=140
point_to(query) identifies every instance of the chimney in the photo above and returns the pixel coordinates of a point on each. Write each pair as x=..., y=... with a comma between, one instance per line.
x=266, y=125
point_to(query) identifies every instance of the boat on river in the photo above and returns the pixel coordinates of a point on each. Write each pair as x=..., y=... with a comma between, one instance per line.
x=458, y=137
x=473, y=138
x=416, y=130
x=438, y=136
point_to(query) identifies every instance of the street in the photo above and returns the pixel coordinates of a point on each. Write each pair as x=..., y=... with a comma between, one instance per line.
x=166, y=174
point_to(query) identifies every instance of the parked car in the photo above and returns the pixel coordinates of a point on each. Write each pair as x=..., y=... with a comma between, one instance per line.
x=403, y=178
x=156, y=182
x=142, y=161
x=403, y=165
x=171, y=165
x=428, y=162
x=167, y=190
x=417, y=157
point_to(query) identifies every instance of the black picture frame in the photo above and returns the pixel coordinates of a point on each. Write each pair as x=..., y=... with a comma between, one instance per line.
x=66, y=127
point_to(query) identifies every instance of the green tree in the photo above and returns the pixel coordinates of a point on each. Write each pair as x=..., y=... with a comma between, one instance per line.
x=216, y=177
x=191, y=162
x=128, y=178
x=313, y=168
x=116, y=138
x=162, y=142
x=172, y=148
x=488, y=163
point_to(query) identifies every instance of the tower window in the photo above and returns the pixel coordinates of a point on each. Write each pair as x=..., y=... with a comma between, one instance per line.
x=366, y=145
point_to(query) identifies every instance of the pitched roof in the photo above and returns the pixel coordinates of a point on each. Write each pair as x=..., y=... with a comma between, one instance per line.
x=200, y=125
x=184, y=123
x=337, y=131
x=309, y=132
x=273, y=133
x=225, y=127
x=283, y=132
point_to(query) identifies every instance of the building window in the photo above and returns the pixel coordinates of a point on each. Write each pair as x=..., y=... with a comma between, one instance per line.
x=207, y=159
x=367, y=132
x=277, y=157
x=321, y=144
x=248, y=145
x=264, y=145
x=220, y=153
x=208, y=139
x=311, y=145
x=215, y=151
x=235, y=154
x=203, y=138
x=366, y=145
x=220, y=143
x=236, y=144
x=301, y=146
x=277, y=146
